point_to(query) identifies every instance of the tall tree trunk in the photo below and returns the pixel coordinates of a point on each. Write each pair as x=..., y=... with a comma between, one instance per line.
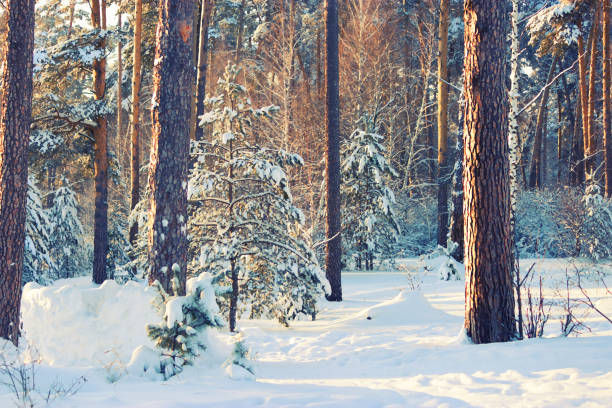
x=584, y=104
x=489, y=308
x=15, y=118
x=119, y=82
x=606, y=99
x=443, y=173
x=562, y=128
x=173, y=78
x=544, y=165
x=456, y=221
x=135, y=125
x=513, y=145
x=592, y=143
x=206, y=10
x=333, y=261
x=98, y=20
x=239, y=38
x=535, y=177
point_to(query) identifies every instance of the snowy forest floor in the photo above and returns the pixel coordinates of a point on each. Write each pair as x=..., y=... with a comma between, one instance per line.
x=395, y=341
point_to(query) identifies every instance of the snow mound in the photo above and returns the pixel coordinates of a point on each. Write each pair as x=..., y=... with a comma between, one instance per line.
x=406, y=309
x=76, y=323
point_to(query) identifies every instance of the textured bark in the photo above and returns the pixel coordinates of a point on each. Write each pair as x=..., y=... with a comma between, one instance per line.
x=119, y=81
x=443, y=171
x=173, y=79
x=135, y=125
x=535, y=176
x=333, y=261
x=489, y=310
x=206, y=10
x=607, y=142
x=592, y=143
x=15, y=117
x=98, y=20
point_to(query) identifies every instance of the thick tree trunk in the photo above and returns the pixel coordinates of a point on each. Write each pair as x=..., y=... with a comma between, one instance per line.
x=173, y=79
x=443, y=172
x=535, y=177
x=98, y=20
x=135, y=125
x=333, y=261
x=489, y=310
x=206, y=11
x=15, y=117
x=607, y=141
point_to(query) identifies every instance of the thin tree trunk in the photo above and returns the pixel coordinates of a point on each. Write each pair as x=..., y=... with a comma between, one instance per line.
x=513, y=145
x=205, y=14
x=456, y=221
x=592, y=143
x=240, y=30
x=15, y=118
x=606, y=99
x=98, y=20
x=489, y=308
x=443, y=173
x=119, y=83
x=135, y=125
x=173, y=78
x=584, y=104
x=535, y=177
x=333, y=261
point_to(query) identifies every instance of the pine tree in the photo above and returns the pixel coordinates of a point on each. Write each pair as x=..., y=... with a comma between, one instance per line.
x=369, y=224
x=181, y=337
x=15, y=118
x=37, y=264
x=243, y=221
x=66, y=233
x=489, y=310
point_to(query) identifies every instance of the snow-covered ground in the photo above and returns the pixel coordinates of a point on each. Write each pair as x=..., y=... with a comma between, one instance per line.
x=395, y=341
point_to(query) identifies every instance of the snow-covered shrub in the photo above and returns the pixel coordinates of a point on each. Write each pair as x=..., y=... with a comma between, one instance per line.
x=444, y=265
x=181, y=337
x=118, y=246
x=37, y=263
x=238, y=366
x=243, y=225
x=418, y=222
x=369, y=225
x=597, y=235
x=538, y=231
x=66, y=233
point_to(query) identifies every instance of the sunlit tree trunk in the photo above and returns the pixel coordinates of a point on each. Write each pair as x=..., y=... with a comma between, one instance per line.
x=135, y=124
x=173, y=78
x=15, y=118
x=592, y=143
x=443, y=173
x=98, y=21
x=489, y=308
x=206, y=11
x=333, y=261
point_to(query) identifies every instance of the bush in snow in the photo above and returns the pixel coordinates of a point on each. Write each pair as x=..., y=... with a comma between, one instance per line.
x=66, y=233
x=181, y=337
x=243, y=222
x=598, y=223
x=37, y=263
x=369, y=224
x=441, y=261
x=238, y=365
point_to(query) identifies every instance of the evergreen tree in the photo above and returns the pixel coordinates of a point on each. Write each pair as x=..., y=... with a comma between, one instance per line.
x=243, y=220
x=369, y=224
x=182, y=335
x=66, y=234
x=37, y=264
